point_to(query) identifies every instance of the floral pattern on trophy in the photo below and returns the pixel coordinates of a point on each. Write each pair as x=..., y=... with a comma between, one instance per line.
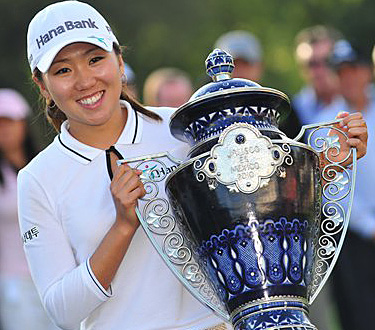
x=214, y=123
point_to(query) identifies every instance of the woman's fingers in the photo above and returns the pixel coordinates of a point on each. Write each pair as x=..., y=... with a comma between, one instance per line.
x=126, y=189
x=356, y=128
x=359, y=132
x=125, y=181
x=351, y=120
x=357, y=123
x=342, y=114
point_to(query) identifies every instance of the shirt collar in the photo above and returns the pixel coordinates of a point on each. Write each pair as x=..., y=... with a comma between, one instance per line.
x=131, y=134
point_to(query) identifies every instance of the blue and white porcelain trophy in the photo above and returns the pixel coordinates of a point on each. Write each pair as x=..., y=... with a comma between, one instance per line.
x=255, y=220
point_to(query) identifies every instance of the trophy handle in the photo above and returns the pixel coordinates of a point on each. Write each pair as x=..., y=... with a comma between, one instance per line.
x=162, y=227
x=337, y=188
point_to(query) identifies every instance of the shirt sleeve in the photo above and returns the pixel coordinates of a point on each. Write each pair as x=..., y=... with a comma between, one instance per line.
x=69, y=291
x=362, y=218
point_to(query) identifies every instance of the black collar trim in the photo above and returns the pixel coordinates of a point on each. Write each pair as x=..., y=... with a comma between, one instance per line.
x=108, y=159
x=136, y=126
x=73, y=151
x=88, y=159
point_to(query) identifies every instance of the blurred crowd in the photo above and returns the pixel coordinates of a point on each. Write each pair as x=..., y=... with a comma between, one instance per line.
x=338, y=77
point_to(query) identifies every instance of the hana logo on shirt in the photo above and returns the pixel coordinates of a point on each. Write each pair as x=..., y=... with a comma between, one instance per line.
x=30, y=234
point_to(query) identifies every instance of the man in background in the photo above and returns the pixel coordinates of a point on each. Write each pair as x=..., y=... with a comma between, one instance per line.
x=246, y=51
x=313, y=48
x=353, y=278
x=247, y=54
x=167, y=87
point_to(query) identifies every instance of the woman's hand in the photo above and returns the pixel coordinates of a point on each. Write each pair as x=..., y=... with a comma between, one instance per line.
x=356, y=129
x=126, y=188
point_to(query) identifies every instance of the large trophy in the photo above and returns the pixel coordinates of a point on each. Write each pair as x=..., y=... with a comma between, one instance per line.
x=255, y=220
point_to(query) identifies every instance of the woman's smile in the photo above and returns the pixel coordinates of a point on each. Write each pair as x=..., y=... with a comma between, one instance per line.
x=92, y=100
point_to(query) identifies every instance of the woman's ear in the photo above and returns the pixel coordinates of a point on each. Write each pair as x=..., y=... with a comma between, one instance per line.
x=121, y=64
x=42, y=87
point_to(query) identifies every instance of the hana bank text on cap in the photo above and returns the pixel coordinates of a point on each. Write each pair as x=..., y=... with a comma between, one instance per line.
x=61, y=24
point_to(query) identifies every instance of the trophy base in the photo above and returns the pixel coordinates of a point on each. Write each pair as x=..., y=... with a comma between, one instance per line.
x=273, y=316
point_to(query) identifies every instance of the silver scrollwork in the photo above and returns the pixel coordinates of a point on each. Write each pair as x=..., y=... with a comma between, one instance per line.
x=193, y=274
x=197, y=165
x=164, y=228
x=328, y=247
x=152, y=190
x=157, y=216
x=174, y=247
x=337, y=195
x=334, y=214
x=288, y=158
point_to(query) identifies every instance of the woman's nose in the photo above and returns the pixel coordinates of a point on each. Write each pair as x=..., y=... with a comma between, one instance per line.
x=85, y=79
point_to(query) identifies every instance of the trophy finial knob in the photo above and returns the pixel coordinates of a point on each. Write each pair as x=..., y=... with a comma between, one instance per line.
x=219, y=65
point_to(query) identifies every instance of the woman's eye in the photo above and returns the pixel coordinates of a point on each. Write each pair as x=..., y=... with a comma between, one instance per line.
x=62, y=70
x=96, y=59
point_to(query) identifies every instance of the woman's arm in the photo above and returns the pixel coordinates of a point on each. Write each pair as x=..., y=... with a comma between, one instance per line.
x=126, y=188
x=71, y=291
x=67, y=289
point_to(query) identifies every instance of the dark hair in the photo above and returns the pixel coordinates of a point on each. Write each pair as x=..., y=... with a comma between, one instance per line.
x=56, y=117
x=30, y=149
x=317, y=33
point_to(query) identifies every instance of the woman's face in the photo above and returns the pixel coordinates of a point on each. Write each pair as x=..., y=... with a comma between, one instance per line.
x=12, y=134
x=85, y=83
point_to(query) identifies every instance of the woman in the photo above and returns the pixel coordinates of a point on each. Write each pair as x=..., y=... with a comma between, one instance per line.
x=20, y=306
x=87, y=258
x=77, y=209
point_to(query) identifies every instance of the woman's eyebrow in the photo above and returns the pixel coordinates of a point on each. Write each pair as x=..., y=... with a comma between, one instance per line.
x=65, y=59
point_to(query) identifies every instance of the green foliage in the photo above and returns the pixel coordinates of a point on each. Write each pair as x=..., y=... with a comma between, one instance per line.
x=182, y=33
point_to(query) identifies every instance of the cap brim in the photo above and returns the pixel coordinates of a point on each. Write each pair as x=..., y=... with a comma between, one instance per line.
x=47, y=59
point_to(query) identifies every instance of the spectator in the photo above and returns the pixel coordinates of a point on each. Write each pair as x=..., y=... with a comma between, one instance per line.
x=129, y=79
x=353, y=277
x=20, y=306
x=167, y=87
x=313, y=48
x=246, y=51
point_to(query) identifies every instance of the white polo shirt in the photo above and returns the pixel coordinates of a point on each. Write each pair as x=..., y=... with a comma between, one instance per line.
x=65, y=210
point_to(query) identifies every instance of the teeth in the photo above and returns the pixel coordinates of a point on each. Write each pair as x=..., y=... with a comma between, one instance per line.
x=91, y=100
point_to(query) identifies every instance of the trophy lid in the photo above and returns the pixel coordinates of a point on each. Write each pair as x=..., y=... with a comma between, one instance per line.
x=226, y=100
x=219, y=66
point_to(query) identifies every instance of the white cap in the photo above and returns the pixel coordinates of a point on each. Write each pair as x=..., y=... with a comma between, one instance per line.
x=61, y=24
